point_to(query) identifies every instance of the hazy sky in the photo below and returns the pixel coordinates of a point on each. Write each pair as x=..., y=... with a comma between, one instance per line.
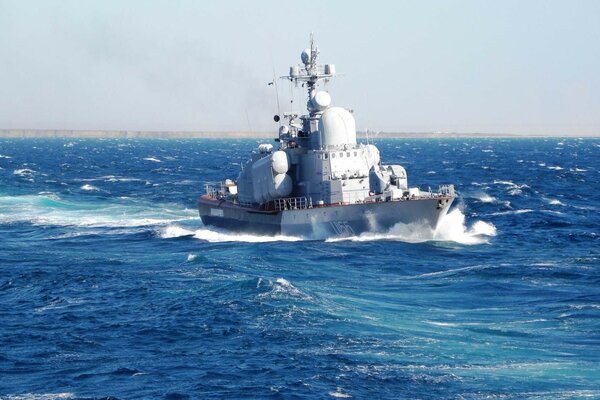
x=461, y=66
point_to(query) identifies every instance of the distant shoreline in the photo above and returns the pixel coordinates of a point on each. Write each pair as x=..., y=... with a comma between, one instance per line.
x=126, y=134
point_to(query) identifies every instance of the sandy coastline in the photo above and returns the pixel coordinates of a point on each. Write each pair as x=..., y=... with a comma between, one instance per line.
x=126, y=134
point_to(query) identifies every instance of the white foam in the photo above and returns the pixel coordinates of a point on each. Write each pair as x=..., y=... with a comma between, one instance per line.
x=40, y=396
x=486, y=198
x=515, y=192
x=339, y=395
x=89, y=188
x=215, y=236
x=443, y=324
x=508, y=183
x=25, y=172
x=523, y=211
x=173, y=231
x=556, y=168
x=48, y=209
x=3, y=156
x=281, y=288
x=451, y=228
x=554, y=202
x=191, y=257
x=153, y=159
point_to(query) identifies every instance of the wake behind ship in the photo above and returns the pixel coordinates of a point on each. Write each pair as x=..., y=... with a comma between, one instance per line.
x=319, y=181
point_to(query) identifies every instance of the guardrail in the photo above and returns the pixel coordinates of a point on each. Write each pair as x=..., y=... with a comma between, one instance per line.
x=447, y=190
x=291, y=203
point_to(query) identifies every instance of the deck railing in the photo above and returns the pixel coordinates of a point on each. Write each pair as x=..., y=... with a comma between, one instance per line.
x=446, y=190
x=291, y=203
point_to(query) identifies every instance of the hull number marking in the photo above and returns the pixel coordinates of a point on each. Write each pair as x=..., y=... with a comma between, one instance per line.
x=342, y=228
x=216, y=212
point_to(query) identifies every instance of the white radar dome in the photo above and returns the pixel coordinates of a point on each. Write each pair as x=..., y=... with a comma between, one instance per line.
x=337, y=127
x=321, y=101
x=305, y=56
x=282, y=186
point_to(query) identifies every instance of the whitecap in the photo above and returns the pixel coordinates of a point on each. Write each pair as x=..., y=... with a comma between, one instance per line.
x=153, y=159
x=507, y=183
x=443, y=324
x=281, y=288
x=339, y=394
x=486, y=198
x=578, y=170
x=89, y=188
x=4, y=156
x=191, y=257
x=515, y=192
x=215, y=236
x=523, y=211
x=173, y=231
x=556, y=168
x=24, y=172
x=40, y=396
x=554, y=202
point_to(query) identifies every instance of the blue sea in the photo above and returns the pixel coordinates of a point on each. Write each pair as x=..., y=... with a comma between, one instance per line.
x=111, y=287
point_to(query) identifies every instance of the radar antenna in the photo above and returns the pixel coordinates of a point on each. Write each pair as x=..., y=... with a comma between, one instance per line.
x=310, y=73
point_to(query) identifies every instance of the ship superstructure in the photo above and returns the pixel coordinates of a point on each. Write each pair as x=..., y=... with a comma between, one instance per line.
x=319, y=180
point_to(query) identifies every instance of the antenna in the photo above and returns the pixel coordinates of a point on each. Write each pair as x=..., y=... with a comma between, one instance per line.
x=274, y=83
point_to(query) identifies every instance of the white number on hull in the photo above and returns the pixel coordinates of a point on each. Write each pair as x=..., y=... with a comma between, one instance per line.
x=342, y=228
x=216, y=212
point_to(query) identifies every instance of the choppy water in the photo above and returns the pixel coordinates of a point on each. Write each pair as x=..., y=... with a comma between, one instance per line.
x=111, y=286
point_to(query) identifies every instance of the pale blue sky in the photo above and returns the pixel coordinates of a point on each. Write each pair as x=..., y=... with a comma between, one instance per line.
x=460, y=66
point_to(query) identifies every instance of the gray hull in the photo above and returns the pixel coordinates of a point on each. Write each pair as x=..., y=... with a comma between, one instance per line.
x=339, y=220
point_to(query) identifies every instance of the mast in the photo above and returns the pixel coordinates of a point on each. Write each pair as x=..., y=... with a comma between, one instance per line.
x=311, y=73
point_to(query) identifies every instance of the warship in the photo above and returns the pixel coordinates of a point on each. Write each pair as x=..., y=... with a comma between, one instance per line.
x=319, y=181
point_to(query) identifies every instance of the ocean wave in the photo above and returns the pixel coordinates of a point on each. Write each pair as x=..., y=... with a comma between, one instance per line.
x=513, y=212
x=511, y=184
x=280, y=288
x=50, y=210
x=486, y=198
x=339, y=394
x=40, y=396
x=89, y=188
x=174, y=231
x=554, y=202
x=24, y=172
x=153, y=159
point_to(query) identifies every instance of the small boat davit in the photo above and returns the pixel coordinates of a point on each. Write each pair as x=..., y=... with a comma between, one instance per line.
x=319, y=181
